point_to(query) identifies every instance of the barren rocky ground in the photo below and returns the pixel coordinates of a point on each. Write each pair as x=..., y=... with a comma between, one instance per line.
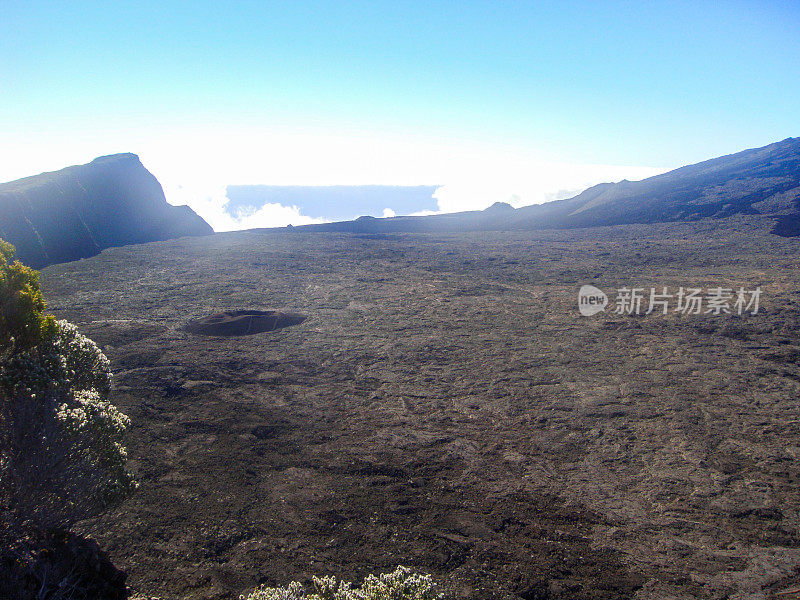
x=444, y=406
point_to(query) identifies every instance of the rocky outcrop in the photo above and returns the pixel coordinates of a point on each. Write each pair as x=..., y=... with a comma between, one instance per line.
x=58, y=566
x=78, y=211
x=499, y=207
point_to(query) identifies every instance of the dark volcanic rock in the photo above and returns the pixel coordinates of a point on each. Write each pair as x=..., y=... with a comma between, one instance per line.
x=787, y=226
x=449, y=409
x=78, y=211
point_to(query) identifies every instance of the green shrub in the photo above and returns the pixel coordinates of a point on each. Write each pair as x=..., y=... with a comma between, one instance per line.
x=23, y=323
x=61, y=453
x=402, y=584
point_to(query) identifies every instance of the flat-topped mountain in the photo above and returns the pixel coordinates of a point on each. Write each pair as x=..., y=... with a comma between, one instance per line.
x=759, y=181
x=78, y=211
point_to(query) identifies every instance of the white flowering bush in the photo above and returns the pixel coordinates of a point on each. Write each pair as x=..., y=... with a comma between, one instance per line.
x=402, y=584
x=62, y=457
x=86, y=367
x=61, y=453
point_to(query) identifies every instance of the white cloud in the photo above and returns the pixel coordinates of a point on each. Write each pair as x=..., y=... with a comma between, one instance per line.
x=209, y=202
x=471, y=176
x=388, y=213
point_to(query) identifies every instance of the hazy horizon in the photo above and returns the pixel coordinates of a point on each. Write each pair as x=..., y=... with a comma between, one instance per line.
x=518, y=103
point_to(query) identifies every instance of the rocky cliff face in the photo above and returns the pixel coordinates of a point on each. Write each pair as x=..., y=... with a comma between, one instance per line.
x=78, y=211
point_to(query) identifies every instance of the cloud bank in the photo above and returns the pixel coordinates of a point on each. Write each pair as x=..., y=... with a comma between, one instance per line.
x=211, y=203
x=537, y=184
x=196, y=163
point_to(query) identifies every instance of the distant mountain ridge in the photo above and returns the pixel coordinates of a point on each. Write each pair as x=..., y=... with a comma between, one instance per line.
x=757, y=181
x=114, y=201
x=80, y=210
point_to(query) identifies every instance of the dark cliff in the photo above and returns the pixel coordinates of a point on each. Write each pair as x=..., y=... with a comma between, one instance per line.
x=78, y=211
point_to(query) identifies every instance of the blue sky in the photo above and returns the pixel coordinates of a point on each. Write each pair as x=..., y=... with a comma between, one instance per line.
x=394, y=92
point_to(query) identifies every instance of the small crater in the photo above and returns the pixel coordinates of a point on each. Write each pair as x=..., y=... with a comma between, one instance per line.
x=243, y=322
x=265, y=432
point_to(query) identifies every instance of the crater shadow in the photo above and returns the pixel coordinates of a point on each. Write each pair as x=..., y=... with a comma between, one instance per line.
x=243, y=322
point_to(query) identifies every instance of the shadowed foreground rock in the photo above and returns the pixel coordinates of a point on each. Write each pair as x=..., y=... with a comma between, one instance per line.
x=59, y=567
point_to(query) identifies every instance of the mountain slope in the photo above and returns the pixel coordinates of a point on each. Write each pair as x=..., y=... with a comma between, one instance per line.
x=757, y=181
x=78, y=211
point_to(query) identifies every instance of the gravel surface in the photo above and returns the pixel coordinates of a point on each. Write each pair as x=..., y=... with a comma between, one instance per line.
x=445, y=406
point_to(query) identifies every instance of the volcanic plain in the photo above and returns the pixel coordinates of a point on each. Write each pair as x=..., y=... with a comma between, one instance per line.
x=437, y=401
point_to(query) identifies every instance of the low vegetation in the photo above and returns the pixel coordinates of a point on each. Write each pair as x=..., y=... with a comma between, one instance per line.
x=402, y=584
